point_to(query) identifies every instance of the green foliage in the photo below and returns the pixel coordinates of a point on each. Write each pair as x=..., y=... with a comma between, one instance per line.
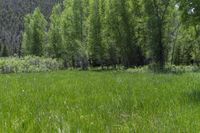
x=122, y=20
x=110, y=33
x=95, y=33
x=28, y=64
x=190, y=11
x=188, y=38
x=157, y=12
x=12, y=15
x=35, y=33
x=74, y=33
x=54, y=34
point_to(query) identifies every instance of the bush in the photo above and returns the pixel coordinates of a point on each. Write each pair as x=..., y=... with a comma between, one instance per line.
x=29, y=64
x=182, y=69
x=168, y=69
x=138, y=69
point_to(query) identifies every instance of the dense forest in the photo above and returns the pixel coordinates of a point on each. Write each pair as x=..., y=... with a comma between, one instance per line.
x=103, y=32
x=12, y=13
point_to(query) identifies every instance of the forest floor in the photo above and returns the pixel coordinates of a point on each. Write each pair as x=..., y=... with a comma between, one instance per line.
x=91, y=101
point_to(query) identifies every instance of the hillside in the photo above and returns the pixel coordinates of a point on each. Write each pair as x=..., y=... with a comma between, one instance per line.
x=12, y=14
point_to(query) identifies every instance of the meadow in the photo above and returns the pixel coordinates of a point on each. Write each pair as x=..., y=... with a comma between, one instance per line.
x=93, y=101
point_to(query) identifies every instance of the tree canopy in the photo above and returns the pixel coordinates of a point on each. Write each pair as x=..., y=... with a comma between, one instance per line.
x=114, y=33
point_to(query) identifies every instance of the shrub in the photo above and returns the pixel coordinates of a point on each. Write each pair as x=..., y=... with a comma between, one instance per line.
x=138, y=69
x=181, y=69
x=168, y=69
x=29, y=64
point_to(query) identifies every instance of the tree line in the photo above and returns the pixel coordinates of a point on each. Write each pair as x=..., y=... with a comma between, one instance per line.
x=12, y=14
x=112, y=33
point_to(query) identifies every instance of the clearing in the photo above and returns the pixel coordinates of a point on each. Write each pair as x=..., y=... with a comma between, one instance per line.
x=89, y=101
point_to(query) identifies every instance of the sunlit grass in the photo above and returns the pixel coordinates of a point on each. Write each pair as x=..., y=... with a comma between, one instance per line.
x=75, y=101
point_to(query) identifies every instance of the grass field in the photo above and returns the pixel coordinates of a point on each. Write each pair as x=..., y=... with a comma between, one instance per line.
x=92, y=102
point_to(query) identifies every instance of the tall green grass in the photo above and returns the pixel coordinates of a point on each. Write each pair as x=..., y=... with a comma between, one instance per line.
x=92, y=102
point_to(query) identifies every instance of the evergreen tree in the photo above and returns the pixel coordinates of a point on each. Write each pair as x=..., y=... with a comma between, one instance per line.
x=54, y=34
x=34, y=37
